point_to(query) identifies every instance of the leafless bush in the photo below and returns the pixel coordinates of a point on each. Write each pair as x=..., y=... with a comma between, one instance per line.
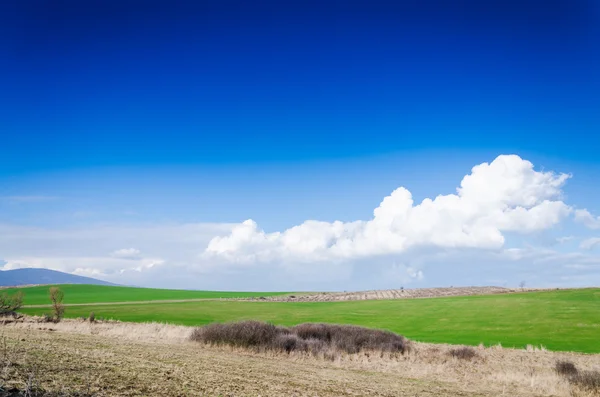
x=586, y=380
x=312, y=338
x=9, y=304
x=463, y=353
x=92, y=317
x=289, y=343
x=565, y=368
x=583, y=380
x=242, y=334
x=56, y=297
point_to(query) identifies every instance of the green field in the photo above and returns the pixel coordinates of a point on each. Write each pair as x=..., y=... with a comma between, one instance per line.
x=75, y=293
x=560, y=320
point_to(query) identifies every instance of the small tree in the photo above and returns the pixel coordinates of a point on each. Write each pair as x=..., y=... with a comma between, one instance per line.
x=9, y=304
x=56, y=297
x=522, y=284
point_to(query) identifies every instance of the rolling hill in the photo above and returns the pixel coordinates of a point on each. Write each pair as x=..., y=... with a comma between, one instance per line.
x=31, y=276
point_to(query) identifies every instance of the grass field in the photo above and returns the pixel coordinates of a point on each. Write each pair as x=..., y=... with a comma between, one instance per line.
x=567, y=320
x=77, y=294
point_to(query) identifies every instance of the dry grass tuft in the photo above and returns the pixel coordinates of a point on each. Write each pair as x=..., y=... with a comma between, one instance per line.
x=311, y=338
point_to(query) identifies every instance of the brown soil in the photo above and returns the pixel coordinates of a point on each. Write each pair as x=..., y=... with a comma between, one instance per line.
x=124, y=359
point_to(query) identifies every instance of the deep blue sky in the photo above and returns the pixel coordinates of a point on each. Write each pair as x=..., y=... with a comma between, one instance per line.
x=128, y=126
x=97, y=83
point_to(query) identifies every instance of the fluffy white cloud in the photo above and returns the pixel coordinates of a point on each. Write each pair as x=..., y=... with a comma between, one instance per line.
x=480, y=234
x=506, y=195
x=590, y=243
x=584, y=216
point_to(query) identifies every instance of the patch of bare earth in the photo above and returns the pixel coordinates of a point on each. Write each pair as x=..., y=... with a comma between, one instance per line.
x=126, y=359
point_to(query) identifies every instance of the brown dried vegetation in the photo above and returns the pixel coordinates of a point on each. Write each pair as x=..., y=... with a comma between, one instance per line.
x=584, y=382
x=127, y=359
x=463, y=353
x=317, y=339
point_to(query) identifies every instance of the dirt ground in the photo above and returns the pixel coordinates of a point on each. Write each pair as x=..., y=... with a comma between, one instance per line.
x=125, y=359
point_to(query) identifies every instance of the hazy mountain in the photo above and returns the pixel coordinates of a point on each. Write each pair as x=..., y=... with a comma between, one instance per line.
x=43, y=276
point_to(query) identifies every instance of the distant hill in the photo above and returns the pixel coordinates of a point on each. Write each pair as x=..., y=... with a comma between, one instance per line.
x=30, y=276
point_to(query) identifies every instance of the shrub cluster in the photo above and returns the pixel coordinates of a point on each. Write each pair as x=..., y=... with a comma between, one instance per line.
x=310, y=338
x=565, y=368
x=463, y=353
x=586, y=380
x=9, y=304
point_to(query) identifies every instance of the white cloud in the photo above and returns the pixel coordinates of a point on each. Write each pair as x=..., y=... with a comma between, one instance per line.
x=586, y=218
x=90, y=250
x=590, y=243
x=477, y=235
x=507, y=195
x=87, y=266
x=127, y=253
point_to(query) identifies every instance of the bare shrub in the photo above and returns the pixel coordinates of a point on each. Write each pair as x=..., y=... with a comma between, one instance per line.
x=242, y=334
x=312, y=338
x=9, y=304
x=463, y=353
x=56, y=297
x=353, y=339
x=313, y=331
x=565, y=368
x=92, y=317
x=586, y=380
x=289, y=343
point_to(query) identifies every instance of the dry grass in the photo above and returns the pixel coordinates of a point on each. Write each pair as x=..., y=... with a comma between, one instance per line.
x=156, y=359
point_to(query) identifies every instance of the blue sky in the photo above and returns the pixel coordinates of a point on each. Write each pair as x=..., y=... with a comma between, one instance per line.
x=154, y=127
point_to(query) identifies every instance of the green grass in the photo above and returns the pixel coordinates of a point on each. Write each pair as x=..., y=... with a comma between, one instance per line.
x=75, y=293
x=559, y=320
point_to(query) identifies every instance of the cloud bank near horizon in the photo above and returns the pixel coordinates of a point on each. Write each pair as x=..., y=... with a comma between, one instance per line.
x=495, y=212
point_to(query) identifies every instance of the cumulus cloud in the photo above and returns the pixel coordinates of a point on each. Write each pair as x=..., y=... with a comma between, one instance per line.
x=506, y=195
x=590, y=243
x=479, y=234
x=586, y=218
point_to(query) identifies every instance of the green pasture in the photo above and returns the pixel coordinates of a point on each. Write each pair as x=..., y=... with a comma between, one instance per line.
x=567, y=320
x=77, y=293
